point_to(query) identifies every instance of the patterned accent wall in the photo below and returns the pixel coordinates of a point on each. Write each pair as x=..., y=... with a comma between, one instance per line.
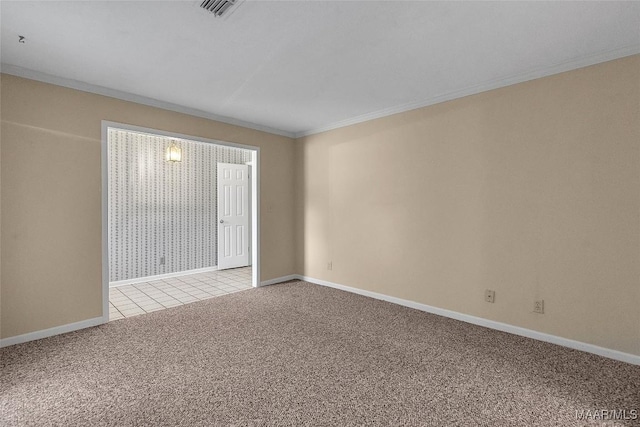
x=160, y=209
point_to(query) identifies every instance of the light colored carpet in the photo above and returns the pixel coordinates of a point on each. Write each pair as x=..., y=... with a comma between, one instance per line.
x=301, y=354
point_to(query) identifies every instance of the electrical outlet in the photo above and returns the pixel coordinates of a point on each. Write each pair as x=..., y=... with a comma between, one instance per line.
x=538, y=306
x=489, y=295
x=330, y=265
x=161, y=260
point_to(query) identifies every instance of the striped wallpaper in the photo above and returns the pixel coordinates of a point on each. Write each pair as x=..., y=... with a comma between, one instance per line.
x=162, y=215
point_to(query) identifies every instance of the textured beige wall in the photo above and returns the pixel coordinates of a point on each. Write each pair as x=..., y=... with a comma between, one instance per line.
x=532, y=190
x=51, y=198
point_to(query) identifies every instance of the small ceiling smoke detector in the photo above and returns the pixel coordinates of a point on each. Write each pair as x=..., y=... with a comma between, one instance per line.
x=219, y=7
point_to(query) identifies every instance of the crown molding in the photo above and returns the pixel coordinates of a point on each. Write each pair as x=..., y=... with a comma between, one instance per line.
x=138, y=99
x=562, y=67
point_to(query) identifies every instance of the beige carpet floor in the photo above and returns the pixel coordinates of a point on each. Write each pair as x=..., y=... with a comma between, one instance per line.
x=300, y=354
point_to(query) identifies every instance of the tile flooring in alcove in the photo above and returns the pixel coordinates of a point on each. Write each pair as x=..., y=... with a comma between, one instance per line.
x=145, y=297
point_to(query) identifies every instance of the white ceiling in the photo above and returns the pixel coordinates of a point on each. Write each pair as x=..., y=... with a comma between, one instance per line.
x=298, y=67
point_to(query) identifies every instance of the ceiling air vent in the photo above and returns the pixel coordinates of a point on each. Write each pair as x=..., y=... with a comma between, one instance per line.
x=219, y=7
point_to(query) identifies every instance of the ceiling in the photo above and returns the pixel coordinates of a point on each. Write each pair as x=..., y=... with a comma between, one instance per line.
x=300, y=67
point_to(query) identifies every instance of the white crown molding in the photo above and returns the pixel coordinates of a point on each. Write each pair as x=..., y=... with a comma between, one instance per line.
x=483, y=87
x=138, y=99
x=492, y=324
x=473, y=90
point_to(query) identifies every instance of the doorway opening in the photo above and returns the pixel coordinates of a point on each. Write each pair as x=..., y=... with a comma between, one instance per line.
x=180, y=219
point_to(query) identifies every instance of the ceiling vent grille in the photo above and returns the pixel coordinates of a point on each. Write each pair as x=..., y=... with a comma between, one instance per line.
x=219, y=7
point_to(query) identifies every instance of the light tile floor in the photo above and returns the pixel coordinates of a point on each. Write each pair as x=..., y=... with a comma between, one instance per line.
x=145, y=297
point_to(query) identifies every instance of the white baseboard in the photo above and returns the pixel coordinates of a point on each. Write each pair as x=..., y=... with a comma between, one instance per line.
x=160, y=276
x=279, y=280
x=492, y=324
x=45, y=333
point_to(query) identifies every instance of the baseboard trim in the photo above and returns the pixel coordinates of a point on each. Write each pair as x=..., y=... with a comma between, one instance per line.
x=492, y=324
x=160, y=276
x=45, y=333
x=279, y=280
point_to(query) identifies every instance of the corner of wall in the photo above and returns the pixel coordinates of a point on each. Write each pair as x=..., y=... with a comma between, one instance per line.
x=298, y=205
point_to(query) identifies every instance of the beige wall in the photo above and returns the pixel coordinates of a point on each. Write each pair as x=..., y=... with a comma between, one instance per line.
x=532, y=190
x=51, y=198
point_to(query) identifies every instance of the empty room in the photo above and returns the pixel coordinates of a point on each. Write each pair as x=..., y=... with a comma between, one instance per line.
x=320, y=213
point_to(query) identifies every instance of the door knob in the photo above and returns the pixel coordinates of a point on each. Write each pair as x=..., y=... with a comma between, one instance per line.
x=221, y=221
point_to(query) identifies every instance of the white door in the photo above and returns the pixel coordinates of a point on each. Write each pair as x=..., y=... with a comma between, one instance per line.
x=233, y=215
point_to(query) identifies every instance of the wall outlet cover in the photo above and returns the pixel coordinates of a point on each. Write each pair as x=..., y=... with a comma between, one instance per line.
x=489, y=295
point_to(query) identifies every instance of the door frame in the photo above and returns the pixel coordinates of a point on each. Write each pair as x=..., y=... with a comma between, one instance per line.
x=254, y=199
